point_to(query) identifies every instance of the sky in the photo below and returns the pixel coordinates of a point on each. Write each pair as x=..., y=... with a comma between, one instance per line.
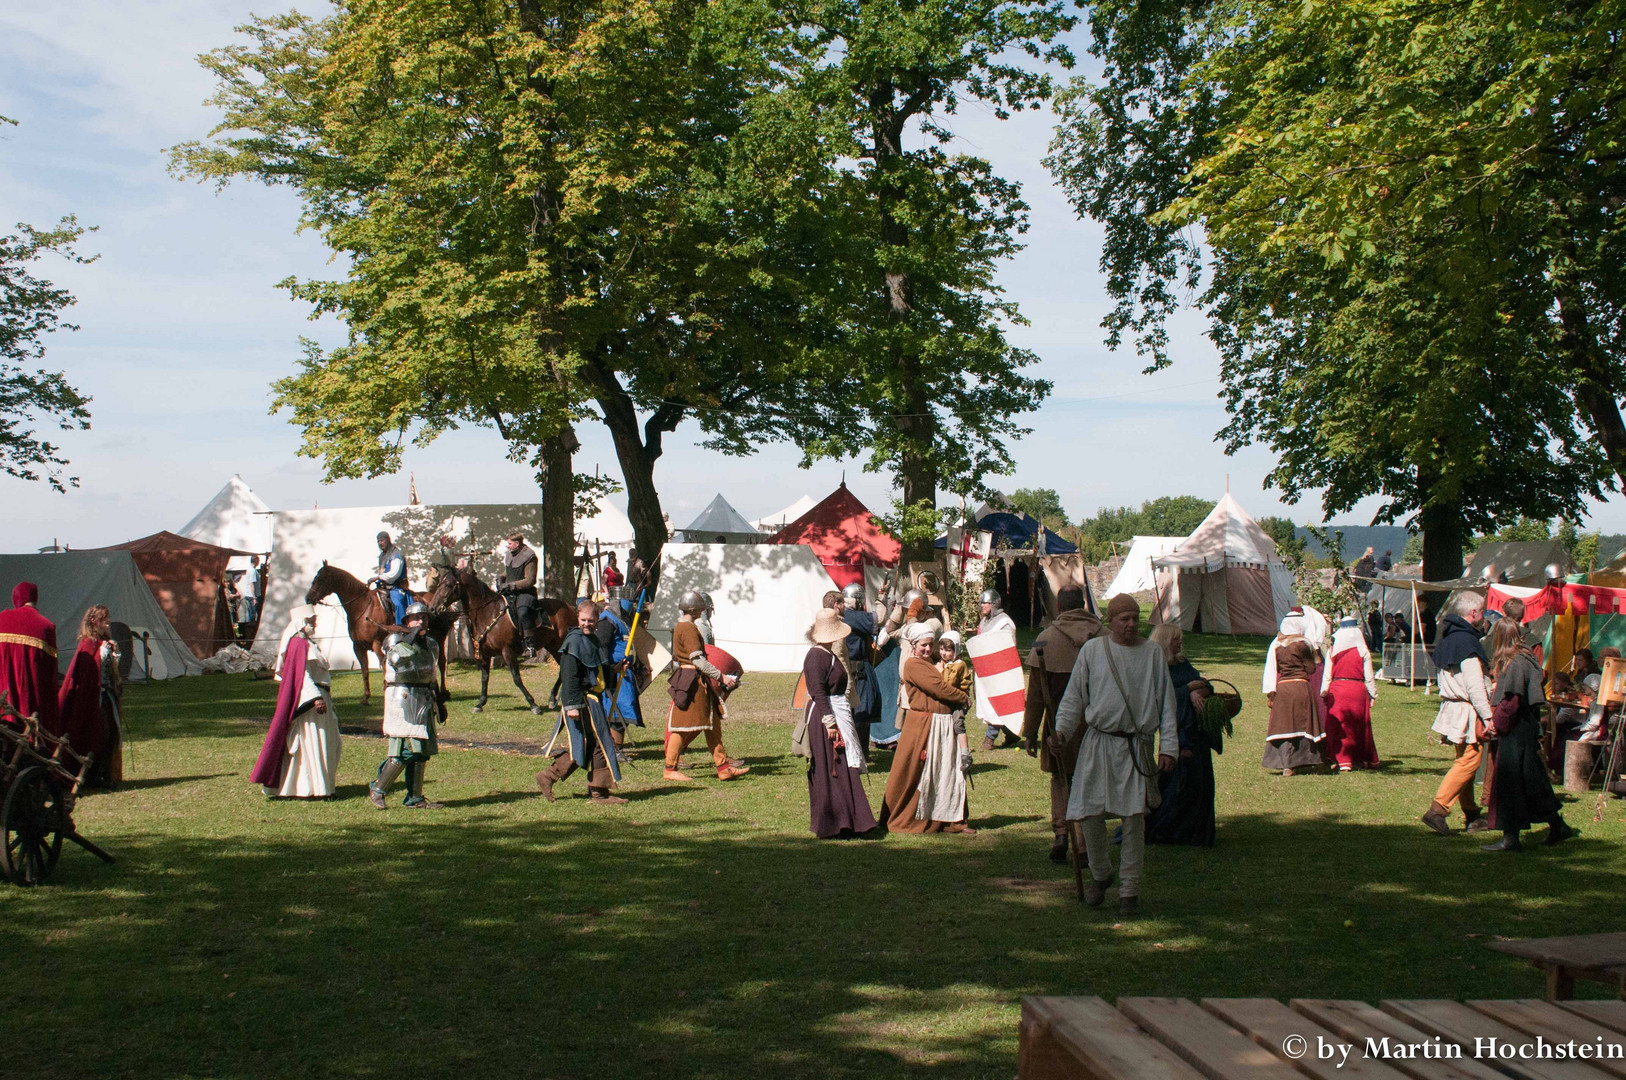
x=183, y=328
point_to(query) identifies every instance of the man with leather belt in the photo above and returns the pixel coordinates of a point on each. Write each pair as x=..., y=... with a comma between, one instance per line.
x=518, y=587
x=584, y=671
x=1049, y=666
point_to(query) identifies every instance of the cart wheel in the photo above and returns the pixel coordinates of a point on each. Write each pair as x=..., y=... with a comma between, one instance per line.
x=32, y=821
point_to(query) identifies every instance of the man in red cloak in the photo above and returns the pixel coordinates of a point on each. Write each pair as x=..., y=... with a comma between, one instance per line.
x=28, y=658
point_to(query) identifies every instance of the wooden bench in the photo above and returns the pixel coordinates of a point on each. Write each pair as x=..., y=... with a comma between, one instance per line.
x=1599, y=957
x=1084, y=1038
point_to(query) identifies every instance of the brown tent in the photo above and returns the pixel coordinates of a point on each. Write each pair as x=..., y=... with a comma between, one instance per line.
x=184, y=576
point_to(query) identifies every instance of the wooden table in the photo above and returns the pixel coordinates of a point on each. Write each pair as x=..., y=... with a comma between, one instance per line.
x=1599, y=957
x=1084, y=1038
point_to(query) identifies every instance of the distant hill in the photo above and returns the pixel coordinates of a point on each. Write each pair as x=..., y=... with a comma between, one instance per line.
x=1610, y=545
x=1357, y=538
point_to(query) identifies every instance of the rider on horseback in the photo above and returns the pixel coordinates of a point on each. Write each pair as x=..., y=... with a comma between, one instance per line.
x=518, y=587
x=391, y=578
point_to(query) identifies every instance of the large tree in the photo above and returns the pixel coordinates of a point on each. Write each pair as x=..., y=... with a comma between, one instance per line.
x=1425, y=370
x=924, y=359
x=545, y=217
x=30, y=310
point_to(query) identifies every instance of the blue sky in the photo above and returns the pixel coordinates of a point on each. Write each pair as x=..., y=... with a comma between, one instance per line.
x=183, y=327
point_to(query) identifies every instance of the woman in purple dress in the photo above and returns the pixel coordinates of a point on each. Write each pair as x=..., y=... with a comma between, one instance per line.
x=835, y=759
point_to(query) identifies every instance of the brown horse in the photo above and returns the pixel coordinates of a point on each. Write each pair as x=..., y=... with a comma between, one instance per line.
x=496, y=635
x=364, y=611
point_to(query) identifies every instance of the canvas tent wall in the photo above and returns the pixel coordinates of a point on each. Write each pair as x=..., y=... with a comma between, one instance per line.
x=1225, y=578
x=184, y=576
x=346, y=537
x=1137, y=574
x=843, y=533
x=719, y=523
x=234, y=518
x=71, y=581
x=766, y=597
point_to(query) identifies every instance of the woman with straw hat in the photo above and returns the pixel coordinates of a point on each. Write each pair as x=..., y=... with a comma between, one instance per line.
x=835, y=758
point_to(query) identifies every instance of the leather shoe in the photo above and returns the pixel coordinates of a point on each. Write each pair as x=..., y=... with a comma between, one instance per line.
x=1560, y=831
x=545, y=782
x=1508, y=842
x=1058, y=849
x=612, y=800
x=1094, y=892
x=729, y=772
x=1436, y=821
x=375, y=796
x=1478, y=825
x=1128, y=906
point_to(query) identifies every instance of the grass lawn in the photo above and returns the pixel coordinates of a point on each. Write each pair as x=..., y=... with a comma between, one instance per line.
x=701, y=931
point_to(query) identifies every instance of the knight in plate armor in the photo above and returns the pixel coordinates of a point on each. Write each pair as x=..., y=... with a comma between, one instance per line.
x=413, y=705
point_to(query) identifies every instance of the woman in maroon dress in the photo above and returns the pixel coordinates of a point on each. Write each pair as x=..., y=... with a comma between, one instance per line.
x=1348, y=690
x=87, y=711
x=834, y=790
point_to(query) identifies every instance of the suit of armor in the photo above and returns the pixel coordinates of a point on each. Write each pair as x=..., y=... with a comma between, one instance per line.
x=412, y=707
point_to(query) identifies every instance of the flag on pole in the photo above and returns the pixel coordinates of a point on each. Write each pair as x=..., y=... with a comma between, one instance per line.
x=1001, y=691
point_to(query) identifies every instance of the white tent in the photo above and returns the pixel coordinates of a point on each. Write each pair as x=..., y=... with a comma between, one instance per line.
x=769, y=524
x=71, y=581
x=608, y=527
x=766, y=597
x=234, y=518
x=1136, y=575
x=1225, y=578
x=347, y=538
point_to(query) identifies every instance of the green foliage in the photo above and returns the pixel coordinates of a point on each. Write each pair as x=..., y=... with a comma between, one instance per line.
x=911, y=523
x=1288, y=544
x=30, y=310
x=1042, y=504
x=1381, y=340
x=1413, y=553
x=1171, y=515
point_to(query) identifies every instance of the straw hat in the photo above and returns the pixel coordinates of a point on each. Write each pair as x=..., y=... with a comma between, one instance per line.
x=828, y=628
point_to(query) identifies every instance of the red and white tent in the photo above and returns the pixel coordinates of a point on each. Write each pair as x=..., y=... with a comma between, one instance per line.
x=843, y=533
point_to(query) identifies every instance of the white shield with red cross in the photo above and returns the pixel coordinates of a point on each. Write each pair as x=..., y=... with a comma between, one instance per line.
x=1001, y=690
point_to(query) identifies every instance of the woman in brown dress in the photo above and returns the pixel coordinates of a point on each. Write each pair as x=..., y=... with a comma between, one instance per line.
x=1294, y=740
x=703, y=714
x=927, y=695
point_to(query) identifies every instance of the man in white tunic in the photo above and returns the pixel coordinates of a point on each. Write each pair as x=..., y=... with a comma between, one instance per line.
x=1121, y=694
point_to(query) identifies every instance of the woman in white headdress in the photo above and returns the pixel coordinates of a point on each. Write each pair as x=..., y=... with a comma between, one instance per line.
x=1348, y=689
x=1295, y=737
x=300, y=756
x=921, y=788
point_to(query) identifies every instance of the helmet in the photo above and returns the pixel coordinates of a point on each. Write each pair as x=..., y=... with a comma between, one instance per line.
x=853, y=595
x=1554, y=572
x=692, y=601
x=416, y=608
x=911, y=596
x=989, y=596
x=706, y=597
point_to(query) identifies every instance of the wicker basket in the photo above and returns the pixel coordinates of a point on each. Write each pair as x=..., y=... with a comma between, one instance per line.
x=1232, y=697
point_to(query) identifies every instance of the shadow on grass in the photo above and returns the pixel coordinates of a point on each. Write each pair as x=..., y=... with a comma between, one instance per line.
x=165, y=781
x=429, y=944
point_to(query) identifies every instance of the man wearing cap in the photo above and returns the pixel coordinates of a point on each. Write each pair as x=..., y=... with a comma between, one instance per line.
x=391, y=578
x=1120, y=695
x=28, y=657
x=995, y=618
x=1050, y=665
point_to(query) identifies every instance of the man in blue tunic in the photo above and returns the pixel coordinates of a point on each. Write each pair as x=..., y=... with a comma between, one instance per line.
x=583, y=667
x=865, y=693
x=391, y=578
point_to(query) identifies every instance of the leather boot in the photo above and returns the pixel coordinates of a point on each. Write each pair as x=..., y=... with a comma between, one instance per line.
x=545, y=780
x=1508, y=842
x=1095, y=892
x=1558, y=831
x=1435, y=819
x=1058, y=848
x=1128, y=906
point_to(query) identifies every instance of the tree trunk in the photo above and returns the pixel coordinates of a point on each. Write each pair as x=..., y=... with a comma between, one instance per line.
x=637, y=452
x=1442, y=541
x=1593, y=385
x=559, y=515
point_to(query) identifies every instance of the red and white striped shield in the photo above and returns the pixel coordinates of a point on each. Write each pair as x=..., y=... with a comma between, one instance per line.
x=1001, y=691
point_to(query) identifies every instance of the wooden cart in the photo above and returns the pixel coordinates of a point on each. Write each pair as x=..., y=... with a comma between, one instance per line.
x=40, y=776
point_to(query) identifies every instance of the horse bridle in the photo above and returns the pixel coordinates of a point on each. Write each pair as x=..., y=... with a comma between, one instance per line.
x=502, y=611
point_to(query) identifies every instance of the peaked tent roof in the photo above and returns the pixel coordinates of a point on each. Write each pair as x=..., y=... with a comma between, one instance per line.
x=718, y=517
x=1017, y=529
x=772, y=523
x=843, y=533
x=234, y=518
x=1136, y=573
x=1524, y=562
x=608, y=526
x=1227, y=534
x=184, y=576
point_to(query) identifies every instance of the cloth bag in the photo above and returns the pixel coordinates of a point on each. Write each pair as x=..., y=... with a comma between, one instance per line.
x=681, y=686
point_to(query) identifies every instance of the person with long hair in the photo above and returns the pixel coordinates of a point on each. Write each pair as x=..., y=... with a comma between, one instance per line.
x=1186, y=814
x=88, y=702
x=1523, y=793
x=835, y=792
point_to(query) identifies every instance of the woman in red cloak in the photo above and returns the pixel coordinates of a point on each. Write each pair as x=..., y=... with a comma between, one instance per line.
x=88, y=704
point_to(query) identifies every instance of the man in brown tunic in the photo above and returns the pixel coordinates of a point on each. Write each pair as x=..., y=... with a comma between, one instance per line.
x=1050, y=662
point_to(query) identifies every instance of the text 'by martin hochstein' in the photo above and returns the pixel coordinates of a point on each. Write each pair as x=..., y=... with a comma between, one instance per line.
x=1537, y=1048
